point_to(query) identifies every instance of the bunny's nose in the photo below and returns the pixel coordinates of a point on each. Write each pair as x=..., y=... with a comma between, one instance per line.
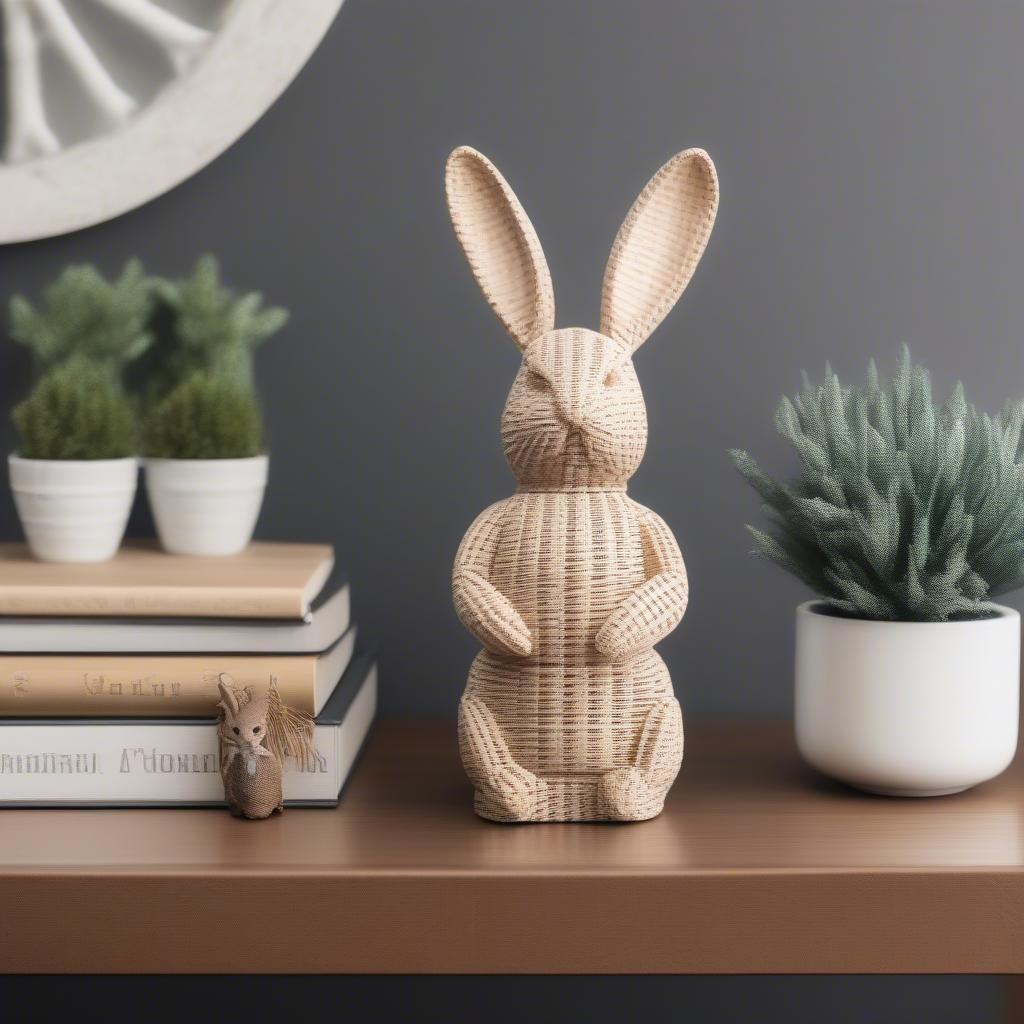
x=571, y=412
x=574, y=394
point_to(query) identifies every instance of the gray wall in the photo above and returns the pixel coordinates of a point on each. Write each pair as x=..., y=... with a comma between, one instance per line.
x=870, y=158
x=872, y=166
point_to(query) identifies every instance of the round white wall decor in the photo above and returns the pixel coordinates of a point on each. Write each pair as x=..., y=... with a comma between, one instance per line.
x=111, y=103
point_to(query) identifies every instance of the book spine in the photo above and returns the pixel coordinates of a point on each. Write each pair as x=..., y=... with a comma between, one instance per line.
x=154, y=602
x=102, y=686
x=145, y=763
x=74, y=763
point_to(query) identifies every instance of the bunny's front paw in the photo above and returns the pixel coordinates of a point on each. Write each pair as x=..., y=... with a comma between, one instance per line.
x=490, y=616
x=644, y=617
x=507, y=635
x=619, y=638
x=518, y=643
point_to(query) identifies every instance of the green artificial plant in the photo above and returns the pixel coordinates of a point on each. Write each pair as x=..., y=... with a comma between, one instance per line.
x=81, y=337
x=204, y=418
x=903, y=509
x=201, y=401
x=76, y=411
x=215, y=330
x=84, y=315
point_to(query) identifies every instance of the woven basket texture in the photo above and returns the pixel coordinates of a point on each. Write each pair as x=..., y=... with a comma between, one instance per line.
x=569, y=713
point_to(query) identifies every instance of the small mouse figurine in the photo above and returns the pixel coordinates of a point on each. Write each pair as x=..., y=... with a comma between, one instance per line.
x=256, y=733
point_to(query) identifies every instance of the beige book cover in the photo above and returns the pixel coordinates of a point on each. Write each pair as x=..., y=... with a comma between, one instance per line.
x=160, y=686
x=266, y=581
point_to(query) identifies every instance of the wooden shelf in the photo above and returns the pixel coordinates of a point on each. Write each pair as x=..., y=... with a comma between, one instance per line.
x=756, y=866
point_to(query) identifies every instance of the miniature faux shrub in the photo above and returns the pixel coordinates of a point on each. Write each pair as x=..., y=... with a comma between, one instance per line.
x=902, y=509
x=83, y=314
x=76, y=411
x=204, y=417
x=214, y=329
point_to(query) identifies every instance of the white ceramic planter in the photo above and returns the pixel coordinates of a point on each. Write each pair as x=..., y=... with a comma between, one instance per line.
x=71, y=510
x=206, y=506
x=907, y=708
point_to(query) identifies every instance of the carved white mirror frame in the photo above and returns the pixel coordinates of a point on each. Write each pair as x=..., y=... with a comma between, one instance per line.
x=237, y=72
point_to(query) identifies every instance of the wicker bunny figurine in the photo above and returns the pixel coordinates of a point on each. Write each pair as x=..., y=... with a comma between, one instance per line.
x=256, y=733
x=569, y=713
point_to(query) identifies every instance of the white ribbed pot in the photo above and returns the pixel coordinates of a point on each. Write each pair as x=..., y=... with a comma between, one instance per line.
x=73, y=510
x=907, y=708
x=206, y=506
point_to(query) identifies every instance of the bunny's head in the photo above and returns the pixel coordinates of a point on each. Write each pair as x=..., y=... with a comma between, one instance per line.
x=244, y=723
x=575, y=415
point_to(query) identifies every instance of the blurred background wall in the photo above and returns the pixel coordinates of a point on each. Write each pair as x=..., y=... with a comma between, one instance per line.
x=870, y=158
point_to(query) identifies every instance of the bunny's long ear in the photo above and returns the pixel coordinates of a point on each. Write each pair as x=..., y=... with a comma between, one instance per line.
x=500, y=244
x=658, y=247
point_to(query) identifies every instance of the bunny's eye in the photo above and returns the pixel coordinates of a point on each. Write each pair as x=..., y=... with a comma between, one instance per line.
x=611, y=380
x=255, y=728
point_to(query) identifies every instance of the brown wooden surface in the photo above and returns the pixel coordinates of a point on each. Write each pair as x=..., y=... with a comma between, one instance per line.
x=757, y=865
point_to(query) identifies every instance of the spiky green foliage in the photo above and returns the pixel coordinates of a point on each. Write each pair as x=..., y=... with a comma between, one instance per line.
x=903, y=509
x=75, y=411
x=85, y=315
x=205, y=417
x=215, y=330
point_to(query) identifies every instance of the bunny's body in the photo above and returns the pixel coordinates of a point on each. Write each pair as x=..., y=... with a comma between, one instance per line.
x=545, y=705
x=569, y=713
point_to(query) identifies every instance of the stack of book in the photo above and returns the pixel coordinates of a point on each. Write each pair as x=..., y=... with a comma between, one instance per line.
x=108, y=673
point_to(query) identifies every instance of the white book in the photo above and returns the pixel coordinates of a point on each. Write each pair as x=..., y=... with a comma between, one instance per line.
x=327, y=619
x=157, y=762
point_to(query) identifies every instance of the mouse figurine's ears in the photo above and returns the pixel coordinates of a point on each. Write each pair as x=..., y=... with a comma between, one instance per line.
x=652, y=260
x=228, y=697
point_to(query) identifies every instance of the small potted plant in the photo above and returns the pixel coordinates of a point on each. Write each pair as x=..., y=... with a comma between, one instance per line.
x=74, y=474
x=202, y=435
x=906, y=518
